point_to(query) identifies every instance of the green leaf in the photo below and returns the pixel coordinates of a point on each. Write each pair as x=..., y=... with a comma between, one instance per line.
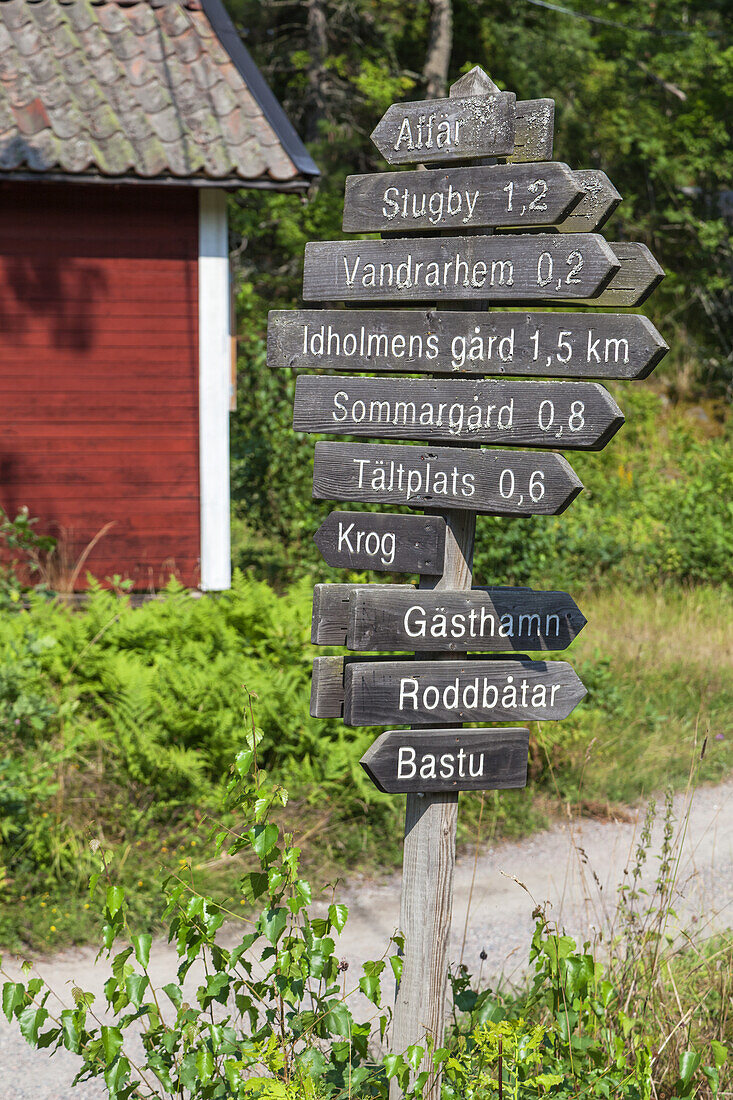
x=395, y=961
x=70, y=1030
x=370, y=983
x=338, y=915
x=254, y=885
x=162, y=1072
x=174, y=993
x=719, y=1052
x=142, y=948
x=264, y=839
x=116, y=1076
x=338, y=1020
x=689, y=1065
x=111, y=1042
x=272, y=923
x=135, y=986
x=205, y=1065
x=13, y=997
x=30, y=1021
x=313, y=1062
x=115, y=899
x=415, y=1055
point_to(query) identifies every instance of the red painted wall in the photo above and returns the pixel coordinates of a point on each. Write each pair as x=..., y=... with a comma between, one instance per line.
x=99, y=372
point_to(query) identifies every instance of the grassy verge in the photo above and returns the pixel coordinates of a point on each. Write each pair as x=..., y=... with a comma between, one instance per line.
x=120, y=725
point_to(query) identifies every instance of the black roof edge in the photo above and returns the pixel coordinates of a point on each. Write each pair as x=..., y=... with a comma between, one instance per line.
x=226, y=32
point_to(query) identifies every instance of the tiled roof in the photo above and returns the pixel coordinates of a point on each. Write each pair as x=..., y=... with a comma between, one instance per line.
x=144, y=90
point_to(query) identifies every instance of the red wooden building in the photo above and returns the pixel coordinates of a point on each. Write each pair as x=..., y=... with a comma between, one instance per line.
x=122, y=127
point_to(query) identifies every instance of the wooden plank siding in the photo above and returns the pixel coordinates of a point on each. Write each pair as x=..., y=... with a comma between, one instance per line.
x=99, y=372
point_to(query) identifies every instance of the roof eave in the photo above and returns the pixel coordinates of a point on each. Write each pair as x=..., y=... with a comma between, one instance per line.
x=230, y=183
x=291, y=143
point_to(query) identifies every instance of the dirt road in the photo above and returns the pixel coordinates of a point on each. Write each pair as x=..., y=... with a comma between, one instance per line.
x=576, y=867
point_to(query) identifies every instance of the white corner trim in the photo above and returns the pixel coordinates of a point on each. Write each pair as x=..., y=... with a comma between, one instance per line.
x=214, y=384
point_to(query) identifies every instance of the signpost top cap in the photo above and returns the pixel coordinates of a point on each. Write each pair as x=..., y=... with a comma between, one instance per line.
x=475, y=82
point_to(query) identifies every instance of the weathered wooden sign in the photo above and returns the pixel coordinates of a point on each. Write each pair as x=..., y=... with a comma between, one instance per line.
x=423, y=693
x=534, y=126
x=533, y=118
x=400, y=761
x=571, y=415
x=599, y=200
x=382, y=541
x=482, y=195
x=510, y=268
x=459, y=128
x=638, y=275
x=395, y=617
x=564, y=345
x=491, y=482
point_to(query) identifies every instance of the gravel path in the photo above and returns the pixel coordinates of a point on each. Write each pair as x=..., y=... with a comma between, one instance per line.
x=576, y=867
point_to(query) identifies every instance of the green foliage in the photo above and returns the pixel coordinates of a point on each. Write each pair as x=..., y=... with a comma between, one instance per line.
x=119, y=723
x=23, y=550
x=642, y=92
x=272, y=1016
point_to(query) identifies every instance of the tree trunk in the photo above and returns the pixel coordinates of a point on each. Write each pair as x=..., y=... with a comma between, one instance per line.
x=317, y=41
x=440, y=45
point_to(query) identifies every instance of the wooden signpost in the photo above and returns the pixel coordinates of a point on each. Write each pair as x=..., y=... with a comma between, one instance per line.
x=454, y=198
x=562, y=345
x=487, y=482
x=383, y=542
x=425, y=692
x=391, y=617
x=447, y=129
x=446, y=622
x=401, y=762
x=573, y=415
x=526, y=267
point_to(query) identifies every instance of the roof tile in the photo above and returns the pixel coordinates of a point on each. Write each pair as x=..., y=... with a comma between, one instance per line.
x=107, y=70
x=222, y=99
x=94, y=42
x=31, y=118
x=27, y=39
x=116, y=154
x=128, y=87
x=81, y=14
x=187, y=46
x=173, y=20
x=12, y=152
x=15, y=14
x=48, y=14
x=75, y=68
x=62, y=38
x=76, y=155
x=67, y=121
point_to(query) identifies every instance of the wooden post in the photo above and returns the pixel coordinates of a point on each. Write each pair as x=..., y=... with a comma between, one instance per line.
x=431, y=820
x=426, y=904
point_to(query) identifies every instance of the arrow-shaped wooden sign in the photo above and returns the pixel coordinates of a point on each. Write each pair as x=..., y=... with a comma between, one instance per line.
x=599, y=200
x=459, y=128
x=511, y=268
x=425, y=693
x=490, y=482
x=566, y=345
x=399, y=617
x=382, y=541
x=638, y=275
x=401, y=761
x=453, y=198
x=568, y=415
